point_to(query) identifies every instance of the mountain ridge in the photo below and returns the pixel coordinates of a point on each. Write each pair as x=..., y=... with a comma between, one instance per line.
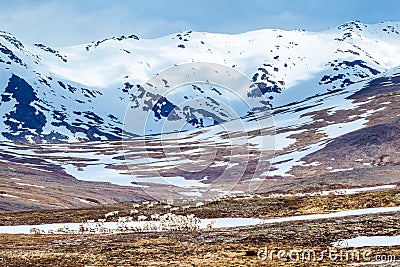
x=106, y=73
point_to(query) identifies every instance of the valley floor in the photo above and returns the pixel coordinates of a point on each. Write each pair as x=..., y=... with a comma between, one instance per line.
x=229, y=247
x=240, y=246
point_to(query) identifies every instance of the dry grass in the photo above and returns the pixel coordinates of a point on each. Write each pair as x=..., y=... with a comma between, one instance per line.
x=246, y=208
x=229, y=247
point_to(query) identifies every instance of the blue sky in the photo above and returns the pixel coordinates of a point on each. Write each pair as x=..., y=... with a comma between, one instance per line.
x=69, y=22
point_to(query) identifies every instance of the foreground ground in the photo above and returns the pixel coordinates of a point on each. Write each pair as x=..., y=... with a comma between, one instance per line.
x=218, y=247
x=233, y=247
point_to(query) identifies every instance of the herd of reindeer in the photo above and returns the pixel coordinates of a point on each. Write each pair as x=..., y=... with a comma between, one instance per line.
x=138, y=223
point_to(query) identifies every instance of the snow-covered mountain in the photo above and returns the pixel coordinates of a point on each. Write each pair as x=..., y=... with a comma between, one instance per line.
x=83, y=92
x=304, y=111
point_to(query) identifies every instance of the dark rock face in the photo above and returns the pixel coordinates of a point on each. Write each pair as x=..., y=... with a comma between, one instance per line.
x=4, y=50
x=24, y=119
x=343, y=78
x=120, y=38
x=51, y=50
x=162, y=108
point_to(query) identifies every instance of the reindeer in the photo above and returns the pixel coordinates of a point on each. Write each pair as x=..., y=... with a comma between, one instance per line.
x=35, y=231
x=83, y=228
x=210, y=225
x=111, y=214
x=185, y=207
x=131, y=212
x=142, y=218
x=155, y=216
x=61, y=230
x=122, y=219
x=104, y=230
x=174, y=209
x=166, y=207
x=199, y=204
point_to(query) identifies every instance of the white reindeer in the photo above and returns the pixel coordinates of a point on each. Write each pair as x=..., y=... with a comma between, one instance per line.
x=111, y=214
x=131, y=212
x=104, y=230
x=122, y=219
x=61, y=230
x=142, y=218
x=174, y=209
x=165, y=207
x=186, y=207
x=199, y=204
x=35, y=231
x=155, y=216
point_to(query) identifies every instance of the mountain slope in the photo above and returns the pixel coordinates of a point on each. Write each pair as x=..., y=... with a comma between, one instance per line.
x=330, y=119
x=83, y=92
x=339, y=139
